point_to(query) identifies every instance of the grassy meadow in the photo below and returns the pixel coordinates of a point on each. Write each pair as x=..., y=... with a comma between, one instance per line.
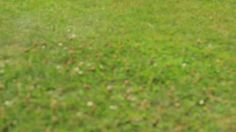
x=117, y=65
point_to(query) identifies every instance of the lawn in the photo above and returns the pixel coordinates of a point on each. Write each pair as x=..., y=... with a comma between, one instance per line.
x=118, y=65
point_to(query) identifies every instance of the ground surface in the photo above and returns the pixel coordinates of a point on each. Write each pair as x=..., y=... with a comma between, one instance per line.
x=118, y=65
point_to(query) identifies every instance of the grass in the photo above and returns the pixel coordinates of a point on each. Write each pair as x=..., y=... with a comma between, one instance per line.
x=117, y=65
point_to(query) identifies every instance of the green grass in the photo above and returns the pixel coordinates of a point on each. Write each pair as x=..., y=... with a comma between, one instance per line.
x=118, y=65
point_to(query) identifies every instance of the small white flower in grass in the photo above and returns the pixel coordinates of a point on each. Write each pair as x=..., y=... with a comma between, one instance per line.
x=184, y=65
x=78, y=70
x=8, y=103
x=43, y=47
x=101, y=67
x=109, y=88
x=72, y=36
x=113, y=107
x=68, y=30
x=201, y=102
x=60, y=44
x=90, y=104
x=58, y=67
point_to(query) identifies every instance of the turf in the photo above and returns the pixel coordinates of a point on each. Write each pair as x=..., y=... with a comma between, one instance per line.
x=118, y=65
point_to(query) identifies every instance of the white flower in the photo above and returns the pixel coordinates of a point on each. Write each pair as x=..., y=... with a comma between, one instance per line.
x=60, y=44
x=90, y=104
x=43, y=47
x=109, y=88
x=68, y=30
x=8, y=103
x=113, y=107
x=58, y=67
x=78, y=70
x=72, y=36
x=201, y=102
x=184, y=65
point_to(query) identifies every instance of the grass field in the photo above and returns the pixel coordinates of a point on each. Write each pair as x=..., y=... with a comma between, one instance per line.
x=118, y=65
